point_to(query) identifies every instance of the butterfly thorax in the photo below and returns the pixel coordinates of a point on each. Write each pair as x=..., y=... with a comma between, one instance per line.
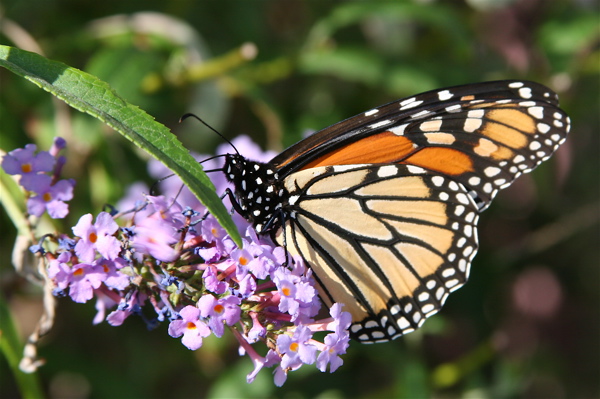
x=258, y=191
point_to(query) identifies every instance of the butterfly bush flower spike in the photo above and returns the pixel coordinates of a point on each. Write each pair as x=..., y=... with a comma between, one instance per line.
x=164, y=256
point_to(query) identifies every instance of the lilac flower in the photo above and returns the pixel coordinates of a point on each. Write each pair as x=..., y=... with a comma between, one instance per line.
x=212, y=283
x=247, y=286
x=287, y=290
x=157, y=230
x=213, y=233
x=113, y=278
x=242, y=257
x=224, y=310
x=335, y=345
x=96, y=237
x=103, y=302
x=209, y=254
x=341, y=320
x=280, y=376
x=212, y=230
x=297, y=295
x=126, y=307
x=296, y=349
x=50, y=197
x=28, y=164
x=155, y=237
x=190, y=326
x=266, y=259
x=257, y=331
x=84, y=279
x=59, y=270
x=271, y=359
x=167, y=210
x=259, y=362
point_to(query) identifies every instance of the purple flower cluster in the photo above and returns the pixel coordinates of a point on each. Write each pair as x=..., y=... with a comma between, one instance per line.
x=39, y=175
x=167, y=254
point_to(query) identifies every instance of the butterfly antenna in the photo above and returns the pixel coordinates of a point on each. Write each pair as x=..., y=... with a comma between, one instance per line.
x=154, y=188
x=185, y=116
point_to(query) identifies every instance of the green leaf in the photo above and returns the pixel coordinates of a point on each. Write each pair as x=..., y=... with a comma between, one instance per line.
x=87, y=93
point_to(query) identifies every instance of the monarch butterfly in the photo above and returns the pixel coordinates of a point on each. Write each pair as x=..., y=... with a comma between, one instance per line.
x=383, y=206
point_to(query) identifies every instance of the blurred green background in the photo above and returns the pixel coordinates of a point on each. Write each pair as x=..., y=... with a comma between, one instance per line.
x=527, y=323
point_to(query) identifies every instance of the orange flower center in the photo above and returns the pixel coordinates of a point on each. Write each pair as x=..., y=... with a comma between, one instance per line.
x=47, y=197
x=243, y=260
x=78, y=272
x=294, y=346
x=190, y=325
x=219, y=308
x=286, y=291
x=26, y=167
x=93, y=237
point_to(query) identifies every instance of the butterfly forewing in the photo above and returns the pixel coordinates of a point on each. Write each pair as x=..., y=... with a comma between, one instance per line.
x=483, y=135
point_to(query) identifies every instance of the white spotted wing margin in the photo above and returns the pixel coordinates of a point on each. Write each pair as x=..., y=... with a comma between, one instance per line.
x=389, y=241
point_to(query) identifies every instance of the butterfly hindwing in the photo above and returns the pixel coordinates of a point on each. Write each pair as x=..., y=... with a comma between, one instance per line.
x=389, y=241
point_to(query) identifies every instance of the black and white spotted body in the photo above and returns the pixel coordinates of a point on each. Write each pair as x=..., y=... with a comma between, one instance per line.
x=259, y=192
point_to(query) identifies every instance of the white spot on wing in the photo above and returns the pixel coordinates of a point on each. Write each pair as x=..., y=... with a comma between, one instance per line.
x=431, y=126
x=525, y=92
x=474, y=180
x=535, y=145
x=491, y=171
x=536, y=112
x=410, y=103
x=543, y=128
x=453, y=108
x=445, y=95
x=420, y=114
x=380, y=124
x=388, y=170
x=292, y=199
x=437, y=181
x=476, y=113
x=399, y=130
x=415, y=169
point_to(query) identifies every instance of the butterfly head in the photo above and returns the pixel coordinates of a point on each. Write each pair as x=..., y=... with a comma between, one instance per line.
x=258, y=191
